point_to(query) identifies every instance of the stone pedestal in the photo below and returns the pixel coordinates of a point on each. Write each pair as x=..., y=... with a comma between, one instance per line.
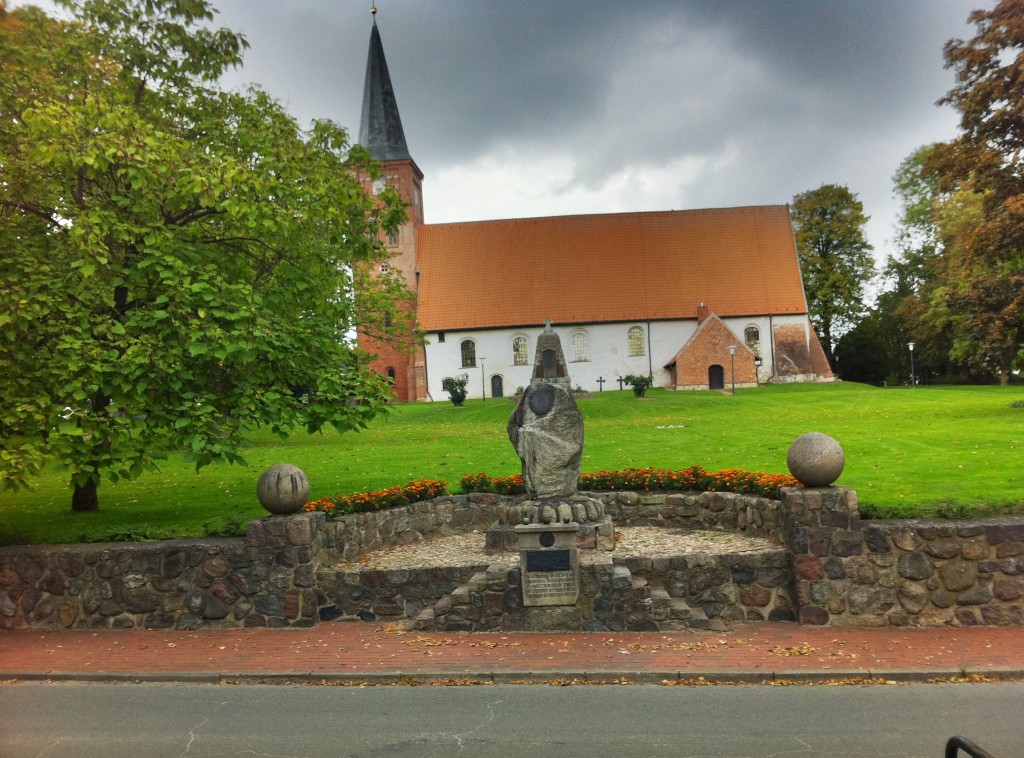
x=549, y=564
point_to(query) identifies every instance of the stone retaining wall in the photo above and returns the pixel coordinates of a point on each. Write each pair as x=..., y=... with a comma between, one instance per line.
x=841, y=571
x=851, y=572
x=634, y=594
x=720, y=511
x=268, y=578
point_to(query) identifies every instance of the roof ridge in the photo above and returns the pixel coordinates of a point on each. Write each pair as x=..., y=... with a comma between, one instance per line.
x=613, y=214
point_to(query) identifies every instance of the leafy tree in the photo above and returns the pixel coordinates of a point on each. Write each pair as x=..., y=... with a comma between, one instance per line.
x=178, y=261
x=985, y=276
x=870, y=352
x=835, y=258
x=913, y=275
x=455, y=386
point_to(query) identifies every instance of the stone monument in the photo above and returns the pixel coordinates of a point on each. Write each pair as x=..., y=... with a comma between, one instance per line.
x=546, y=429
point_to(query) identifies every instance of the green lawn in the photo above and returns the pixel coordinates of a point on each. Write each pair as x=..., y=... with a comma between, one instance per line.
x=909, y=452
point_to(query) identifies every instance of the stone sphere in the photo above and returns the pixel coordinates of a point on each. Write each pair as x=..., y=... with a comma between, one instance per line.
x=283, y=489
x=815, y=459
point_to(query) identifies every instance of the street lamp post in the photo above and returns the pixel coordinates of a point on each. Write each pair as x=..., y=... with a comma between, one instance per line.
x=757, y=369
x=912, y=378
x=483, y=382
x=732, y=364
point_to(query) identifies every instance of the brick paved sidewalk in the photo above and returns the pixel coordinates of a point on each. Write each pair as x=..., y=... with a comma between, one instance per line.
x=367, y=652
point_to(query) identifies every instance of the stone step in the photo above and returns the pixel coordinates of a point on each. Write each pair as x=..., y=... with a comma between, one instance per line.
x=425, y=621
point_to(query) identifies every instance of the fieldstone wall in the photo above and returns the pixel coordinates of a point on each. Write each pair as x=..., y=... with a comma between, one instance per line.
x=634, y=594
x=268, y=578
x=851, y=572
x=356, y=534
x=832, y=568
x=180, y=584
x=720, y=511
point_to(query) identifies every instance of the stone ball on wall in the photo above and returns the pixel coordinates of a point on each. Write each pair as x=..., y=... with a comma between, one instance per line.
x=283, y=489
x=815, y=459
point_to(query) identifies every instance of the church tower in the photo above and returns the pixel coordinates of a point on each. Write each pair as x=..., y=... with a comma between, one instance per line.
x=380, y=132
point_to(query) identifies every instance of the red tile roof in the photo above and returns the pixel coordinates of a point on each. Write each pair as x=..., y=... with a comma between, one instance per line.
x=608, y=267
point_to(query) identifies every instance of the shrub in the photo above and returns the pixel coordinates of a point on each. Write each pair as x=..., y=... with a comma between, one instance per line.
x=455, y=386
x=640, y=384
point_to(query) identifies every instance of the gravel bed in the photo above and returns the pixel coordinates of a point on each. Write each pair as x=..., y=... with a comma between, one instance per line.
x=647, y=541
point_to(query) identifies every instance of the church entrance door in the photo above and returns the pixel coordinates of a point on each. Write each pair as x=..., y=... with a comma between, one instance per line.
x=716, y=377
x=497, y=386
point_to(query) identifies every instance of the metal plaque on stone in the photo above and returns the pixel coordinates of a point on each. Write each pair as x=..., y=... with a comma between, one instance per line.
x=549, y=563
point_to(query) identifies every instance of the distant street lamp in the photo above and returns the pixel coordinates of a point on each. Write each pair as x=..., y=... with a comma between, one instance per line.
x=732, y=370
x=757, y=369
x=483, y=381
x=911, y=346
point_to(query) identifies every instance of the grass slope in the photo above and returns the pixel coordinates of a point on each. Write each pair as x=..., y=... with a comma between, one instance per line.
x=909, y=452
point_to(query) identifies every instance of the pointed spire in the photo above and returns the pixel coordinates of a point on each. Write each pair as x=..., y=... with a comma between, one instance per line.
x=380, y=128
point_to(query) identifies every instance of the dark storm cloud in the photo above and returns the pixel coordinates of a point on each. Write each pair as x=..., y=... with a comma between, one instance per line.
x=532, y=108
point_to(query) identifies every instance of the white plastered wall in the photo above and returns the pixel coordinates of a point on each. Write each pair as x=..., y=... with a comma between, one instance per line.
x=608, y=353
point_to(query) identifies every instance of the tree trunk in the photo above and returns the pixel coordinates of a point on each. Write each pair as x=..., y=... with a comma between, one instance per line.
x=85, y=498
x=1004, y=377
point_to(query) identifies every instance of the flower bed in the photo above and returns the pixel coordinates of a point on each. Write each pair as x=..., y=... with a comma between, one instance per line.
x=360, y=502
x=692, y=479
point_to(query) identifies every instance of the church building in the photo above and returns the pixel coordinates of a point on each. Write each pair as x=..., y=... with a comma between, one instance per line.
x=698, y=299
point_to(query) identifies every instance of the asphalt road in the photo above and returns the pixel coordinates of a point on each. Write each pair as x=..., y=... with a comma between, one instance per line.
x=50, y=720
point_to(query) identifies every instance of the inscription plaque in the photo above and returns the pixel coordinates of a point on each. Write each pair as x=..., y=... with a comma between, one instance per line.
x=548, y=560
x=541, y=400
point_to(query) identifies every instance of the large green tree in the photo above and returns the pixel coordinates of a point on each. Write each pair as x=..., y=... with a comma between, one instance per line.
x=178, y=262
x=985, y=273
x=912, y=301
x=835, y=258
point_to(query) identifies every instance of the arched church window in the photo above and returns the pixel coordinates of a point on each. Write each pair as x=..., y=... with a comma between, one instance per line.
x=636, y=341
x=519, y=347
x=752, y=336
x=468, y=354
x=580, y=350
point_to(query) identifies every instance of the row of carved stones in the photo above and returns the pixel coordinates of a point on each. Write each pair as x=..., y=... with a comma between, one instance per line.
x=757, y=516
x=905, y=573
x=577, y=508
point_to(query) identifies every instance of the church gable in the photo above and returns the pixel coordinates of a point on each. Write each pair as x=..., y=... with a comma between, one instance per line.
x=798, y=354
x=705, y=361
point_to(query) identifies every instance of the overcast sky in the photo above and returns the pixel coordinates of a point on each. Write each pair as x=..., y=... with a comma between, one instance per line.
x=518, y=108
